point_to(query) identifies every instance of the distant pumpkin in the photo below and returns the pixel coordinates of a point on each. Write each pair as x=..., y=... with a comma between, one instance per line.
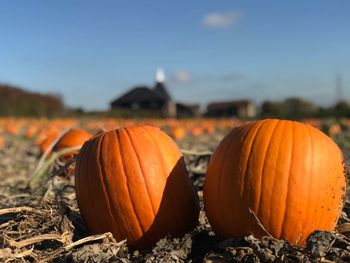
x=30, y=132
x=334, y=129
x=197, y=131
x=48, y=141
x=73, y=137
x=133, y=182
x=275, y=177
x=2, y=142
x=178, y=133
x=13, y=128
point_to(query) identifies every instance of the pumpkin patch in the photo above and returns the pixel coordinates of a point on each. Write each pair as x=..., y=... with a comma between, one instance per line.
x=173, y=189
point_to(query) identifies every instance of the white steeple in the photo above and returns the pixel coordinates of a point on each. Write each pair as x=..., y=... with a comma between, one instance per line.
x=160, y=75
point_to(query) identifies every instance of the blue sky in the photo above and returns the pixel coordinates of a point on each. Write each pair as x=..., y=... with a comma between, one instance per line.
x=93, y=51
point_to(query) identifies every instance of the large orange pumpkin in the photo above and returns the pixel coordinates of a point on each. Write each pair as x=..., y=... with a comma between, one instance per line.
x=275, y=177
x=133, y=182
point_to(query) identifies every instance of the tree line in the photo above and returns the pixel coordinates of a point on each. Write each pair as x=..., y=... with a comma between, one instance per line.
x=16, y=101
x=296, y=108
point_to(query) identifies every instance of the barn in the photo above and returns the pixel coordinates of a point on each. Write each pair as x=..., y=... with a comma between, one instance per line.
x=155, y=100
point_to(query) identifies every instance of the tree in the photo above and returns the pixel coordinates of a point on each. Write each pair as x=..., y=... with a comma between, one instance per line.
x=18, y=102
x=342, y=109
x=291, y=108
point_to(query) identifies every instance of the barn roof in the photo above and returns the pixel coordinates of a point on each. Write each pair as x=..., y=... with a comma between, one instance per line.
x=161, y=90
x=138, y=94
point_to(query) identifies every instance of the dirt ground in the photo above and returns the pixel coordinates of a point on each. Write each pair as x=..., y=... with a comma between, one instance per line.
x=45, y=226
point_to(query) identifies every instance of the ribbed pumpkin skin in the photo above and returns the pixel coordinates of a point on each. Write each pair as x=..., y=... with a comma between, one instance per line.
x=287, y=175
x=133, y=183
x=73, y=137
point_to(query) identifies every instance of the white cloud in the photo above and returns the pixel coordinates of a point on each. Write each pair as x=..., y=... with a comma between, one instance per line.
x=181, y=77
x=221, y=20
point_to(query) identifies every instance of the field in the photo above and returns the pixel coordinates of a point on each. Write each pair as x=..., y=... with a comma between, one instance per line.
x=40, y=219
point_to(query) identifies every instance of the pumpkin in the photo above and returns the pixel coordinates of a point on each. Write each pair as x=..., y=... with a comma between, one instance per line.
x=178, y=133
x=48, y=141
x=13, y=128
x=334, y=129
x=197, y=131
x=275, y=177
x=133, y=182
x=2, y=142
x=30, y=132
x=209, y=128
x=73, y=137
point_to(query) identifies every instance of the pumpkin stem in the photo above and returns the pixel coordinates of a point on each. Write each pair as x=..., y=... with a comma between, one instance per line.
x=48, y=151
x=41, y=176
